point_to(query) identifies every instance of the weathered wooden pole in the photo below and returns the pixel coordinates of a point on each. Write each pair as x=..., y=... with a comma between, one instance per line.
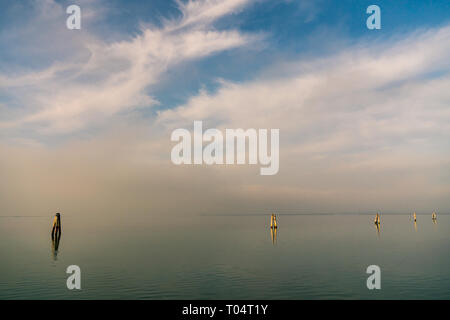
x=377, y=219
x=273, y=221
x=56, y=228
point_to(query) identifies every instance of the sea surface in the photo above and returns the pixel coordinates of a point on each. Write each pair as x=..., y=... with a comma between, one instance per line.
x=227, y=257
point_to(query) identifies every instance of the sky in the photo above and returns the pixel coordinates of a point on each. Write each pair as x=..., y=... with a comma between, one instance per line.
x=86, y=115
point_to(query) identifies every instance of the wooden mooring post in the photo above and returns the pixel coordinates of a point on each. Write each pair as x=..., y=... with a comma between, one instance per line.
x=56, y=228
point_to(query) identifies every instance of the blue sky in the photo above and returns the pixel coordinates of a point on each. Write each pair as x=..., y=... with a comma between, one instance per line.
x=363, y=114
x=292, y=28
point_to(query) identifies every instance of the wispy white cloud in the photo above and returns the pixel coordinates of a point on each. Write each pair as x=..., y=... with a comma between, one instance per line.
x=116, y=76
x=382, y=92
x=196, y=12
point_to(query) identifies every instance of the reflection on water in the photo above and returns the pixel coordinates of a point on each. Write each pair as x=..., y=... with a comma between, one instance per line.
x=221, y=257
x=55, y=245
x=378, y=227
x=273, y=235
x=415, y=225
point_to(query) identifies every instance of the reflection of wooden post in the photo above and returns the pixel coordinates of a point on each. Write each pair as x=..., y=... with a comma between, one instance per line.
x=377, y=226
x=56, y=228
x=273, y=235
x=55, y=245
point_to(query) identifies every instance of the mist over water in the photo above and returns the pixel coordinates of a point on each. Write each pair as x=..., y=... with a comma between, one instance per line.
x=227, y=257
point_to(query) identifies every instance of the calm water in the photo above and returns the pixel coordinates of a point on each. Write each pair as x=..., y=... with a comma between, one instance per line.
x=227, y=257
